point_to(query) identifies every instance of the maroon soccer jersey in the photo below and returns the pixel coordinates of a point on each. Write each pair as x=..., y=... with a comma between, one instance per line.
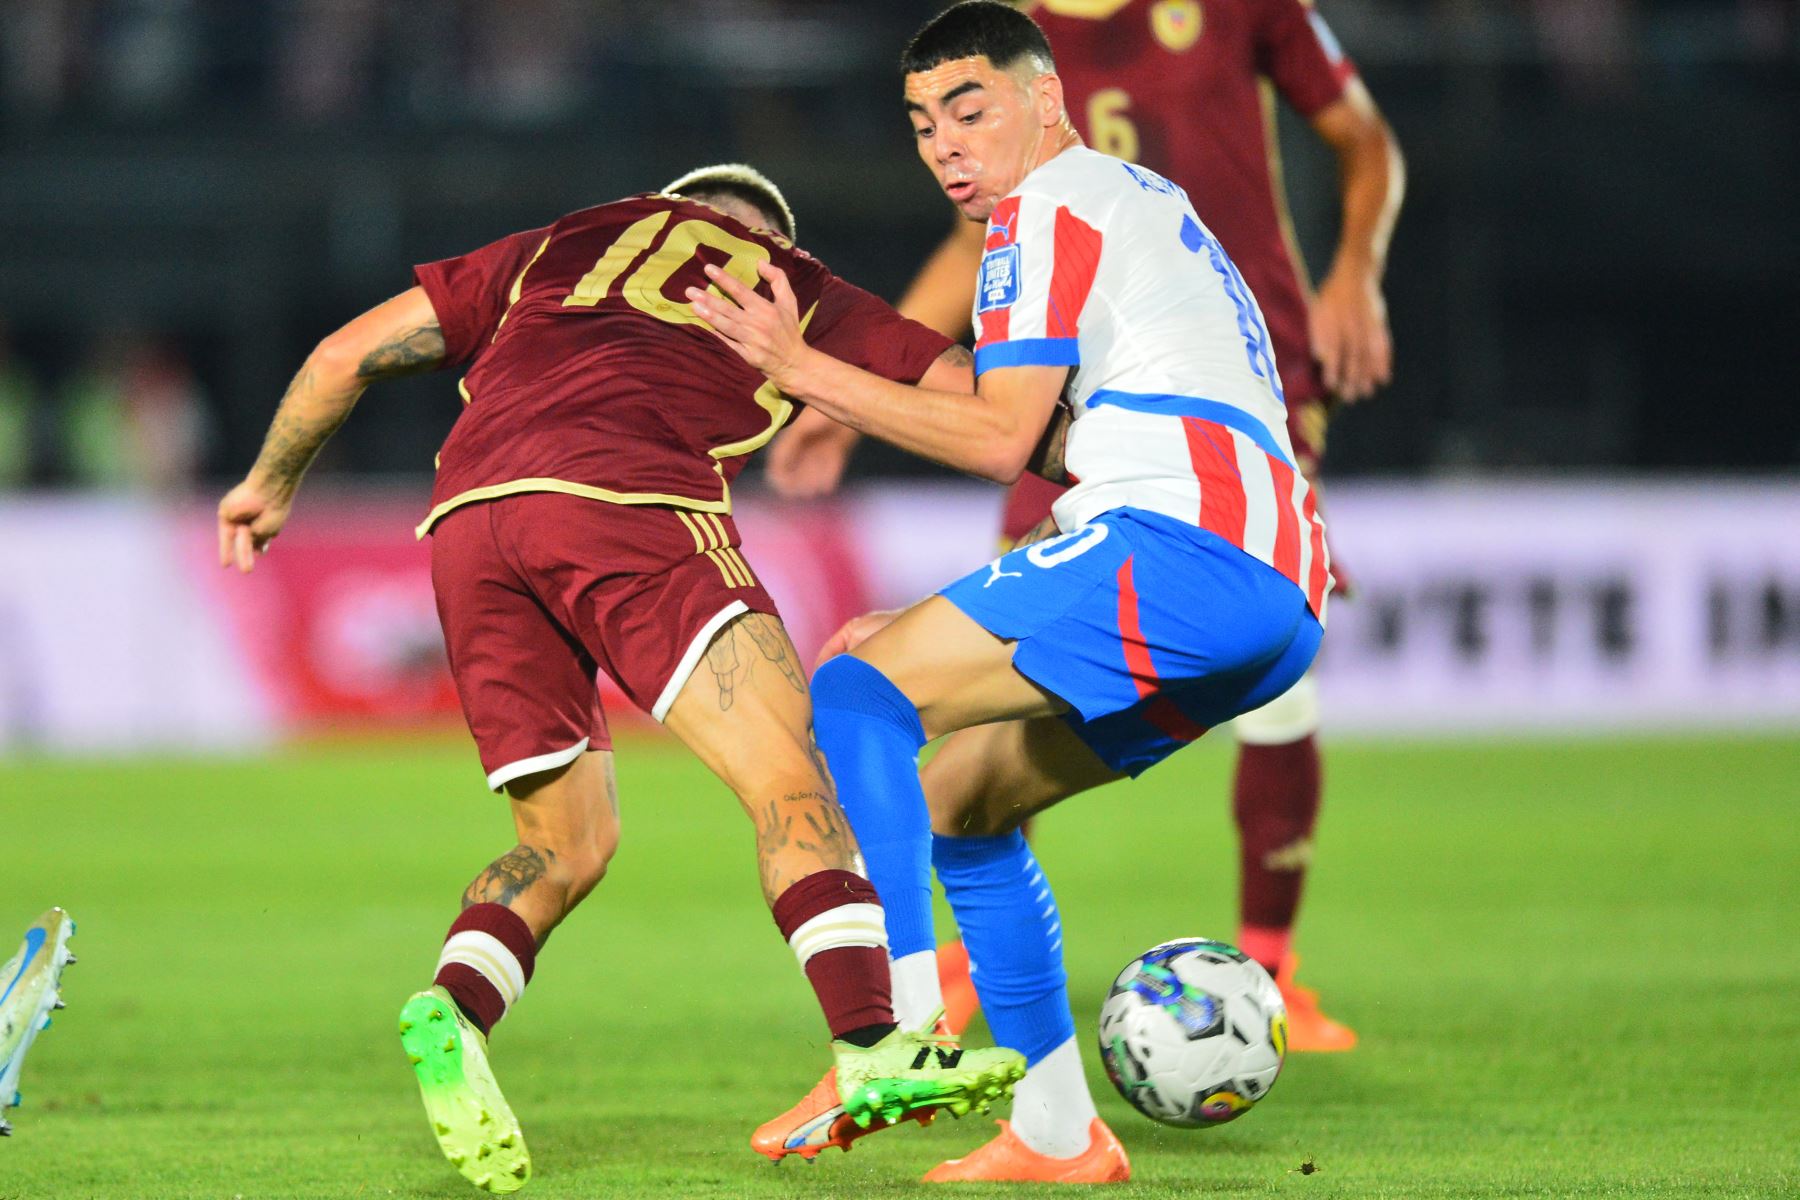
x=589, y=374
x=1181, y=86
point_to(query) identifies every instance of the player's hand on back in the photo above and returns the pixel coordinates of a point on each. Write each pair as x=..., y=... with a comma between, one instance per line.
x=808, y=458
x=1349, y=328
x=250, y=516
x=765, y=333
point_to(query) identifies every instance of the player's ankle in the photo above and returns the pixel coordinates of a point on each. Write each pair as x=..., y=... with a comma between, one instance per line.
x=488, y=958
x=866, y=1036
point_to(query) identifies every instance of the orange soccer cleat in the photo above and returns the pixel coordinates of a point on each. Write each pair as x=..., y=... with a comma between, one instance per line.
x=958, y=989
x=1309, y=1029
x=816, y=1124
x=1006, y=1159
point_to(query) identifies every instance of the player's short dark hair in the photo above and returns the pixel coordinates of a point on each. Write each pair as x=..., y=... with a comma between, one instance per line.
x=740, y=182
x=978, y=27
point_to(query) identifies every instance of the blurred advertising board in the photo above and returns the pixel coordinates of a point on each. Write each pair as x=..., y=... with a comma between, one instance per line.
x=1501, y=608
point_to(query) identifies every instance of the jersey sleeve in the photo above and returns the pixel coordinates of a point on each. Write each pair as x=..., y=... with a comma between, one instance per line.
x=472, y=292
x=864, y=331
x=1300, y=54
x=1036, y=272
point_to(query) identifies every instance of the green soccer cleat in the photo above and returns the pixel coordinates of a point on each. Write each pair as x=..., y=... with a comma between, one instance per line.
x=907, y=1072
x=28, y=995
x=474, y=1124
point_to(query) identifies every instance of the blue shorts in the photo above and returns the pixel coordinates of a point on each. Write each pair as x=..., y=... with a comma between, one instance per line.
x=1152, y=630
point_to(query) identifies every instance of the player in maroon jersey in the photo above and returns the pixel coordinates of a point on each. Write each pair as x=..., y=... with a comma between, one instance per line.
x=1186, y=87
x=581, y=521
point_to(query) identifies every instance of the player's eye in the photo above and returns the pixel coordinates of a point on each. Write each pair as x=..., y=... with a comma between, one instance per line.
x=923, y=131
x=971, y=118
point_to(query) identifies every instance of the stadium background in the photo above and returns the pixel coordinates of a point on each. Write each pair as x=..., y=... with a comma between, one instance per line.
x=1572, y=516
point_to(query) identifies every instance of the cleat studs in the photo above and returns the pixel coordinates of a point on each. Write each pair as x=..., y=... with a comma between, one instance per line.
x=437, y=1014
x=449, y=1045
x=60, y=1003
x=405, y=1025
x=441, y=1129
x=415, y=1059
x=70, y=961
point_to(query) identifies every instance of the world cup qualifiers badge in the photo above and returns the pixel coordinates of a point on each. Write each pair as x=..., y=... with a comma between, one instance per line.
x=999, y=279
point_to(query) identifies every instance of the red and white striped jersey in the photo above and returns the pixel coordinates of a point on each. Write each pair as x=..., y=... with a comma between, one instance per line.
x=1102, y=266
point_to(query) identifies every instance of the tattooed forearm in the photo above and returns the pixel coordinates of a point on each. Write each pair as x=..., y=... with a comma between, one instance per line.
x=957, y=356
x=296, y=435
x=408, y=353
x=1042, y=531
x=509, y=876
x=1047, y=459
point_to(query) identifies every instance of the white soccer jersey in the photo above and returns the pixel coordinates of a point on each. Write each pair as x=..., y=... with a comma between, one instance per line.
x=1102, y=266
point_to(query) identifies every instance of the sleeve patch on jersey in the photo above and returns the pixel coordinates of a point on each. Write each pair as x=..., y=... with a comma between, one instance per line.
x=999, y=281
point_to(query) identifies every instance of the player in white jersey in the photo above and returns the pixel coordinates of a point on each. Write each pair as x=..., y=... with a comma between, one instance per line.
x=1187, y=584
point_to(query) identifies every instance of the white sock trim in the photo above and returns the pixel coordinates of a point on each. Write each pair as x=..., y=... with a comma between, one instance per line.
x=1052, y=1108
x=487, y=955
x=835, y=928
x=691, y=659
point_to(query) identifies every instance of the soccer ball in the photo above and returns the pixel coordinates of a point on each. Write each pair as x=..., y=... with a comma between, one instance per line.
x=1193, y=1033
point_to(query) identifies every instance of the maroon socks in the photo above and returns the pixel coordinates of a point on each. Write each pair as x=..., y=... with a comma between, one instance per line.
x=1275, y=799
x=834, y=923
x=487, y=961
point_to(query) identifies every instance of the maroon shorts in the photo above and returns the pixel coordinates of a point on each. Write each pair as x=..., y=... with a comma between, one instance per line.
x=539, y=591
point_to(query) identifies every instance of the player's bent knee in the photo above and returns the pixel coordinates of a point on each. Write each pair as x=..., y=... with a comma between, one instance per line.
x=847, y=685
x=1289, y=717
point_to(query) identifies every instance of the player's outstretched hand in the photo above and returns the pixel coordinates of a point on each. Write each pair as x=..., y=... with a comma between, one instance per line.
x=855, y=632
x=765, y=333
x=249, y=519
x=807, y=459
x=1349, y=328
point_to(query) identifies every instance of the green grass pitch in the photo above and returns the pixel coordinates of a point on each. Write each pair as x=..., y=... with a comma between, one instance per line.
x=1575, y=968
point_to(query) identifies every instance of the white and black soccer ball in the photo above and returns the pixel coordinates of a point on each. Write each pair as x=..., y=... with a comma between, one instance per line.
x=1193, y=1033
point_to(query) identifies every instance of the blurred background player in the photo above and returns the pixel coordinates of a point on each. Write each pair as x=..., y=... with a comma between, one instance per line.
x=1187, y=87
x=581, y=521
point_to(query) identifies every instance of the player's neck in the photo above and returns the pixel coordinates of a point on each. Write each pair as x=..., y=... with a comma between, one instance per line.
x=1056, y=139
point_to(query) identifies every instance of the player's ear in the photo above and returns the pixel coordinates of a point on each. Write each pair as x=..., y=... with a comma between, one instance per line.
x=1047, y=96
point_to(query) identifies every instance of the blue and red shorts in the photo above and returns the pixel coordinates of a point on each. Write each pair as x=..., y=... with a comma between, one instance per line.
x=1152, y=630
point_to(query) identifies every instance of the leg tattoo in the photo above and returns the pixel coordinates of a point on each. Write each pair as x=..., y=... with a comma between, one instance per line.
x=509, y=876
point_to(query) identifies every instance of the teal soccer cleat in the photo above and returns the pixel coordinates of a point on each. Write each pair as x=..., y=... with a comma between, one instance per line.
x=28, y=995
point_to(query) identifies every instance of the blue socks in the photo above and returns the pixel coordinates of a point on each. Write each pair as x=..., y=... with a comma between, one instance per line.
x=871, y=737
x=1013, y=931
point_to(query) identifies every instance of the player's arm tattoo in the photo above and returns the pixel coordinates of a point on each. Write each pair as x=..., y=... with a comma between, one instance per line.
x=957, y=356
x=1047, y=459
x=406, y=352
x=297, y=433
x=1042, y=531
x=509, y=876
